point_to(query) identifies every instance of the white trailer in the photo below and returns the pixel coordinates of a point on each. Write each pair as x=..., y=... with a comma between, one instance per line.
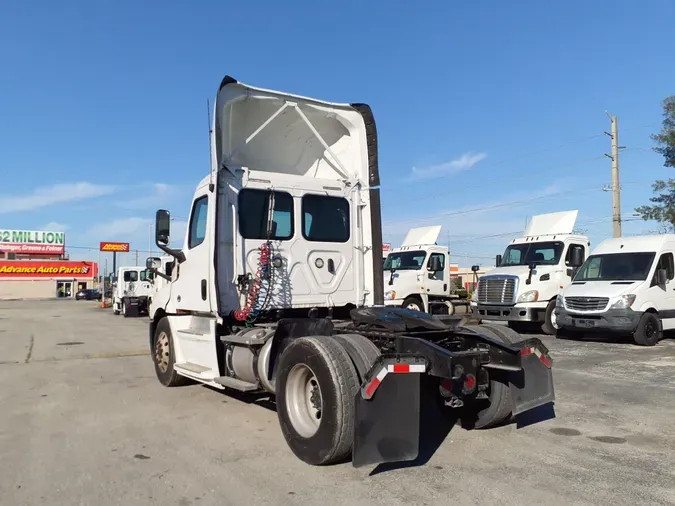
x=131, y=291
x=278, y=289
x=533, y=271
x=417, y=274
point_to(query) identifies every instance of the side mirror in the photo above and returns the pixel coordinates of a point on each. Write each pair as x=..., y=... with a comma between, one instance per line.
x=476, y=268
x=661, y=277
x=153, y=263
x=435, y=264
x=498, y=260
x=162, y=227
x=576, y=257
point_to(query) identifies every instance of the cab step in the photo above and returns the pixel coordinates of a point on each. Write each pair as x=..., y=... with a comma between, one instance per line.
x=235, y=384
x=191, y=368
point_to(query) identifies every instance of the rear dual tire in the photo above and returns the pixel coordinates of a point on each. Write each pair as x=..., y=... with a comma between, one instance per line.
x=499, y=406
x=317, y=381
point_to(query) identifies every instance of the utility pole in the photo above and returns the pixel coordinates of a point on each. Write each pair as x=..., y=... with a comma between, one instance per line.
x=136, y=257
x=616, y=186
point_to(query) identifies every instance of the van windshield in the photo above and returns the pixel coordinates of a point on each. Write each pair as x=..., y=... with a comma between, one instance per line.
x=616, y=267
x=539, y=253
x=405, y=260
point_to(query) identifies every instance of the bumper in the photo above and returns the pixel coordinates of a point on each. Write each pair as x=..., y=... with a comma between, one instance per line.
x=619, y=320
x=509, y=313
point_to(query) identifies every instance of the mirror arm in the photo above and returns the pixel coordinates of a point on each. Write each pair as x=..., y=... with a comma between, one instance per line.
x=176, y=253
x=160, y=274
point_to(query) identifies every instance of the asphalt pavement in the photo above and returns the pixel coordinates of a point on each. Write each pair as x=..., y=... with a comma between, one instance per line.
x=85, y=422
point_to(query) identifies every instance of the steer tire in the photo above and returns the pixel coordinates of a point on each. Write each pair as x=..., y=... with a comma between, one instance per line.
x=648, y=331
x=499, y=394
x=334, y=376
x=164, y=357
x=361, y=350
x=414, y=303
x=547, y=327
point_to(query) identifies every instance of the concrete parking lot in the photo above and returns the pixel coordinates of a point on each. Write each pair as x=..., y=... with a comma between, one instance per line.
x=85, y=422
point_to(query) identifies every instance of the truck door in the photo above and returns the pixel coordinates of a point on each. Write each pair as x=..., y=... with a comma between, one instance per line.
x=191, y=288
x=664, y=296
x=436, y=283
x=326, y=227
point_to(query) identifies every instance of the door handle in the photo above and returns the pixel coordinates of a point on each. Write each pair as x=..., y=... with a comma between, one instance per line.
x=203, y=289
x=331, y=266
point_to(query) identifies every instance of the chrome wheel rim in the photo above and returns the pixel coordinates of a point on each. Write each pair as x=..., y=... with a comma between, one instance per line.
x=554, y=320
x=162, y=351
x=304, y=403
x=413, y=306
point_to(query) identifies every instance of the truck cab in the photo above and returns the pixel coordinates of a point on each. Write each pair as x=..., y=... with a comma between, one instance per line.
x=278, y=289
x=417, y=274
x=534, y=269
x=626, y=286
x=132, y=288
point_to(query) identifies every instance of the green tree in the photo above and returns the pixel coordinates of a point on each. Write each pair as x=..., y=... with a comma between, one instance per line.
x=663, y=203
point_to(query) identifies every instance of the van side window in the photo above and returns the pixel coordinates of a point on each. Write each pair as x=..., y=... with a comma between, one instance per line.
x=568, y=256
x=254, y=207
x=440, y=256
x=666, y=262
x=198, y=222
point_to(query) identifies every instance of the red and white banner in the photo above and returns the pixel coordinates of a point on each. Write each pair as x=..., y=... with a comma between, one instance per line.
x=24, y=269
x=386, y=247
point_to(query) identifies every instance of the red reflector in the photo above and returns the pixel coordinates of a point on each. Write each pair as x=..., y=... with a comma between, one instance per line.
x=401, y=368
x=370, y=389
x=526, y=351
x=470, y=381
x=545, y=361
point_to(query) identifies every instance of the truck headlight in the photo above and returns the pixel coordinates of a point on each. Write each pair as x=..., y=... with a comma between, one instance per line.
x=559, y=302
x=624, y=302
x=531, y=296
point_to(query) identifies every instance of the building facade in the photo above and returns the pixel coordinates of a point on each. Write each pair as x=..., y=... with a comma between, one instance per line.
x=34, y=265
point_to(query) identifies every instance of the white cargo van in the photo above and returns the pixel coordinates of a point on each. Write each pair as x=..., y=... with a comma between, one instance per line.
x=535, y=268
x=625, y=286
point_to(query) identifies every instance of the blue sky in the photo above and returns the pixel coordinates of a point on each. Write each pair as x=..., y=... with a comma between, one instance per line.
x=487, y=113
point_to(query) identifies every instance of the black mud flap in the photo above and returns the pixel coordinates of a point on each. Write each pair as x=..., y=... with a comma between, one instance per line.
x=533, y=386
x=387, y=426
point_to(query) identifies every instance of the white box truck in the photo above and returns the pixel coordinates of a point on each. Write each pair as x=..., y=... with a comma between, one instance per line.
x=417, y=273
x=278, y=289
x=533, y=271
x=626, y=286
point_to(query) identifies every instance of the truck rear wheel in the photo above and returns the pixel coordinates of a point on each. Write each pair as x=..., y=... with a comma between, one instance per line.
x=164, y=357
x=361, y=350
x=315, y=390
x=499, y=393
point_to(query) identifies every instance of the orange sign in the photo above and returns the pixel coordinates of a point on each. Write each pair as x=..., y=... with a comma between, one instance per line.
x=40, y=269
x=119, y=247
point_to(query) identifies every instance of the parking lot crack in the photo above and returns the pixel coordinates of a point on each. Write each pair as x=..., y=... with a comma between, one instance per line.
x=30, y=349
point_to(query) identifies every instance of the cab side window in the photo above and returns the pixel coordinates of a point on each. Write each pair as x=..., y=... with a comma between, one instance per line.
x=198, y=222
x=568, y=256
x=666, y=262
x=440, y=256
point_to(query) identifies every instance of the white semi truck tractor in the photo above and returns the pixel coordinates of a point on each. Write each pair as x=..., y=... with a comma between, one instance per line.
x=278, y=289
x=133, y=286
x=523, y=288
x=417, y=273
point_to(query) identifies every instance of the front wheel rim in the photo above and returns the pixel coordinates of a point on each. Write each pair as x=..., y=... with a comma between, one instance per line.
x=162, y=351
x=304, y=402
x=650, y=330
x=554, y=320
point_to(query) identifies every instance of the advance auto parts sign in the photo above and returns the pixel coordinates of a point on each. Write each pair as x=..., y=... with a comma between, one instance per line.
x=119, y=247
x=31, y=241
x=40, y=269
